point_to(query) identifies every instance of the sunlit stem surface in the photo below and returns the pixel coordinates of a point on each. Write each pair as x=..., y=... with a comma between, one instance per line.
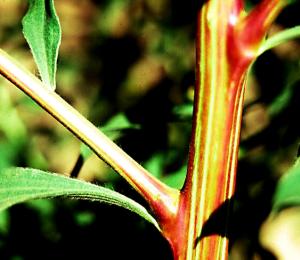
x=162, y=199
x=228, y=41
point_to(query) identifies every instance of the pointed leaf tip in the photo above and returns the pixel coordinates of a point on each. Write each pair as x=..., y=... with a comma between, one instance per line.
x=41, y=29
x=22, y=184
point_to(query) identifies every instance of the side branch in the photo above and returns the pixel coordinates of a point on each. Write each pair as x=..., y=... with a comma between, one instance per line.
x=161, y=198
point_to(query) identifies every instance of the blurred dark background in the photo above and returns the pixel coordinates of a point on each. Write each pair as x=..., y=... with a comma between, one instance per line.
x=133, y=60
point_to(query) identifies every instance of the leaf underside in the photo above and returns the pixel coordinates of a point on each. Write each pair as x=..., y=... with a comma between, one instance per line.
x=41, y=29
x=22, y=184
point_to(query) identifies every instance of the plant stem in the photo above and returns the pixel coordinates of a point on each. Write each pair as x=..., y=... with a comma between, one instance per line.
x=281, y=37
x=214, y=145
x=228, y=42
x=161, y=198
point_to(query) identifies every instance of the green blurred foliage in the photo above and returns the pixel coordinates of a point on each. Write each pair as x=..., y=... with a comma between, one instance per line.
x=135, y=58
x=287, y=191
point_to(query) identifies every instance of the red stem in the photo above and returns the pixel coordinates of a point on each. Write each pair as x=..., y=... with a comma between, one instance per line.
x=227, y=44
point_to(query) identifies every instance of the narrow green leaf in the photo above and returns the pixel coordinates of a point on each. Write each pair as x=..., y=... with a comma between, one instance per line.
x=281, y=37
x=21, y=184
x=287, y=192
x=41, y=29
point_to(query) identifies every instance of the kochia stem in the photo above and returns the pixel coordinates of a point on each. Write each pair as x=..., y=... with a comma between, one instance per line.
x=214, y=145
x=227, y=43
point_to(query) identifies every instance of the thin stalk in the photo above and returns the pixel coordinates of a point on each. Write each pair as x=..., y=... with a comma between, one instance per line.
x=161, y=198
x=281, y=37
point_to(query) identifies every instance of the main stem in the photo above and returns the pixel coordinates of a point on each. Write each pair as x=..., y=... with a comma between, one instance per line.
x=214, y=144
x=227, y=43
